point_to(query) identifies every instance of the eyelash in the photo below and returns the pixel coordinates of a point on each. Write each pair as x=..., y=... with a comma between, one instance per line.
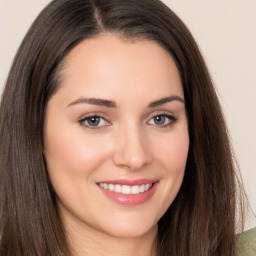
x=172, y=119
x=84, y=121
x=89, y=118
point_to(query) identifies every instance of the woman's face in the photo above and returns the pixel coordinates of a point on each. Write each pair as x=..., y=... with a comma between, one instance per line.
x=116, y=136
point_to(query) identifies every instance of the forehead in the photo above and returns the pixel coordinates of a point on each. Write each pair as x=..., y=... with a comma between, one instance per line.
x=111, y=64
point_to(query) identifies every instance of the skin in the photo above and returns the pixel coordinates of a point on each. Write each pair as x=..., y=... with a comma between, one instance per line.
x=128, y=143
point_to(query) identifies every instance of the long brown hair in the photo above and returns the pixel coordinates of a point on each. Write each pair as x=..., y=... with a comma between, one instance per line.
x=201, y=220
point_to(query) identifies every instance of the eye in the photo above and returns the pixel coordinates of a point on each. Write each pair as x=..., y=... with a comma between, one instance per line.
x=93, y=122
x=162, y=120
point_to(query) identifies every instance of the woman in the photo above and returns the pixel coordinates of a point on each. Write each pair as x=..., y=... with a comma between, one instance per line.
x=113, y=139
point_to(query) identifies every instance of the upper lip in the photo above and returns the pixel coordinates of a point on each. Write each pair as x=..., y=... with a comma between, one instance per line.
x=129, y=182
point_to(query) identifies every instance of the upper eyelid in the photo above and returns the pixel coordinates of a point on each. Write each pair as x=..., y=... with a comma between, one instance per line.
x=162, y=113
x=170, y=116
x=108, y=118
x=93, y=114
x=104, y=116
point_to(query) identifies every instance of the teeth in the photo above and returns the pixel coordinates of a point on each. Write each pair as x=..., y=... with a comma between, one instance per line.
x=126, y=189
x=118, y=188
x=135, y=190
x=111, y=187
x=147, y=186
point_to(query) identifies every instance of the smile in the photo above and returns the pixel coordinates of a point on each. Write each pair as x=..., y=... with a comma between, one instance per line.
x=126, y=189
x=127, y=192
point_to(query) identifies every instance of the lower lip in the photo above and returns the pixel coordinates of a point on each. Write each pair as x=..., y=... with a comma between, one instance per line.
x=130, y=199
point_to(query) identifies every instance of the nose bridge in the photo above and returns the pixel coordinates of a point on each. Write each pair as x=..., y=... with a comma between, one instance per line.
x=131, y=147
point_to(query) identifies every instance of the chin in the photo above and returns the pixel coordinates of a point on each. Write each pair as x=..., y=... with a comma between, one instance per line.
x=130, y=233
x=130, y=229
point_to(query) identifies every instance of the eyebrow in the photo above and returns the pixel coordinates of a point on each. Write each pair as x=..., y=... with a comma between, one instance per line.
x=165, y=100
x=94, y=101
x=112, y=104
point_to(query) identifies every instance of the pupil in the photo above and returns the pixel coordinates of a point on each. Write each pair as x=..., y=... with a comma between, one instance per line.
x=159, y=119
x=93, y=121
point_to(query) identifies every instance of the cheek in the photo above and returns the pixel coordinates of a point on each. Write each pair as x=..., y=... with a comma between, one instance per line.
x=173, y=152
x=72, y=153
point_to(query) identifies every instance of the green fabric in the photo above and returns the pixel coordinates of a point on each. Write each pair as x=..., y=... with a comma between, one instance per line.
x=247, y=243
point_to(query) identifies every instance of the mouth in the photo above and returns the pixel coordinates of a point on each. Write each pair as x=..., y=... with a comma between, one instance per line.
x=126, y=189
x=129, y=192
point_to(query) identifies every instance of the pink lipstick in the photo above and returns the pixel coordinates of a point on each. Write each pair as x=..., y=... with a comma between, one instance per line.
x=129, y=192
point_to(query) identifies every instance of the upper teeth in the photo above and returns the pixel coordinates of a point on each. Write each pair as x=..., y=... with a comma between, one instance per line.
x=126, y=189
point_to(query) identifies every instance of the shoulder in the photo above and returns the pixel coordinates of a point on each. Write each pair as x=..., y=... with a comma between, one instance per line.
x=247, y=243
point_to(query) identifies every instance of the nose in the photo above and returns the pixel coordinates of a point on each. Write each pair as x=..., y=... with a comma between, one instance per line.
x=131, y=149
